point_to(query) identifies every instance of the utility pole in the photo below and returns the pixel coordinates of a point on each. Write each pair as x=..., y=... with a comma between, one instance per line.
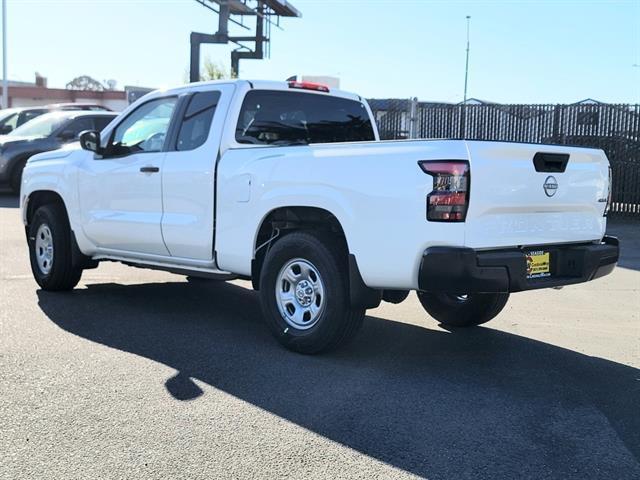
x=5, y=80
x=466, y=68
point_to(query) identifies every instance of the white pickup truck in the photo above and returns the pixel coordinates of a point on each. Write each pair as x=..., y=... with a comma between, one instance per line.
x=287, y=184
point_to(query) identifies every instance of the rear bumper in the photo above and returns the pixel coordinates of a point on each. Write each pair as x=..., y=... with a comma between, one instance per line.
x=464, y=270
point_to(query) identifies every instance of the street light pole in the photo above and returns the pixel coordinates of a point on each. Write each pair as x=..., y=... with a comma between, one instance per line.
x=466, y=68
x=5, y=81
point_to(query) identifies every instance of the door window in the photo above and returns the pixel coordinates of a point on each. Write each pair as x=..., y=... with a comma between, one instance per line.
x=144, y=130
x=197, y=119
x=101, y=122
x=73, y=129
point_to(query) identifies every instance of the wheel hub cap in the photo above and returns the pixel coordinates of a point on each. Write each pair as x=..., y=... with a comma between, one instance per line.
x=304, y=293
x=44, y=249
x=300, y=294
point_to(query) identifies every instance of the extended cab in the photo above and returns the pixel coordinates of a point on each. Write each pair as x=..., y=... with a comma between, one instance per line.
x=288, y=185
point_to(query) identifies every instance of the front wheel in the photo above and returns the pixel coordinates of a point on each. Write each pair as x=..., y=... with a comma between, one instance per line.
x=304, y=293
x=463, y=310
x=50, y=249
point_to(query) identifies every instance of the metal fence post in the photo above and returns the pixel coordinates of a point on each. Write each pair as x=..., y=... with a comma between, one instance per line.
x=413, y=117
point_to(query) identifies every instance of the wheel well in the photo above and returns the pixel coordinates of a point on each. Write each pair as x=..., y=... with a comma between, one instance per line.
x=39, y=198
x=21, y=159
x=16, y=167
x=285, y=219
x=282, y=220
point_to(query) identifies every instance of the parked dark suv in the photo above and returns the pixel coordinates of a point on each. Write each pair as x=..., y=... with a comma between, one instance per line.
x=49, y=131
x=12, y=118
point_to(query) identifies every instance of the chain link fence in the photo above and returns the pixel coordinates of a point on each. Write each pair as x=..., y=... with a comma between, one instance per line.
x=615, y=128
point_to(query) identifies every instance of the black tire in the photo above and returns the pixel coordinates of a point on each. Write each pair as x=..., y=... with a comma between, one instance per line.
x=395, y=296
x=463, y=311
x=15, y=180
x=62, y=274
x=336, y=322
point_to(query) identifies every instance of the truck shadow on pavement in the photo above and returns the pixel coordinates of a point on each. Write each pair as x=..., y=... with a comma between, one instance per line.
x=476, y=403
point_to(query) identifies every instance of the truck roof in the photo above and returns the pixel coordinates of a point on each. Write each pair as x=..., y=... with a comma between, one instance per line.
x=258, y=85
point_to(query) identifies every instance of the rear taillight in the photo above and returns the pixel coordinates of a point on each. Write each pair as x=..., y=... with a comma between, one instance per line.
x=449, y=199
x=609, y=193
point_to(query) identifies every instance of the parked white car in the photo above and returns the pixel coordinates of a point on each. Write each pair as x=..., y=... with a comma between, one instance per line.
x=287, y=184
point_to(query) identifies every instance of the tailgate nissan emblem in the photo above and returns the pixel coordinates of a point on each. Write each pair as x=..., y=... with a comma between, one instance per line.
x=550, y=186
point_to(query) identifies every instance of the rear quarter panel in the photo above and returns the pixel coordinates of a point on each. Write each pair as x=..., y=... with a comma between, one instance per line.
x=376, y=190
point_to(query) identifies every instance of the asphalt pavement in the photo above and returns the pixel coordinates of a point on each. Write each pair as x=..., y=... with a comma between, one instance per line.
x=141, y=374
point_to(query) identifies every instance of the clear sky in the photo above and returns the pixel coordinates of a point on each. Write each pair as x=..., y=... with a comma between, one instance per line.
x=521, y=51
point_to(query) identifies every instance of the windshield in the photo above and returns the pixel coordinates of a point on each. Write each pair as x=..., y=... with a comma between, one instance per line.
x=9, y=118
x=4, y=114
x=9, y=121
x=42, y=126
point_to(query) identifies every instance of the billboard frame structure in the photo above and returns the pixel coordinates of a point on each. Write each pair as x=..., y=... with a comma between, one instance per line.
x=266, y=13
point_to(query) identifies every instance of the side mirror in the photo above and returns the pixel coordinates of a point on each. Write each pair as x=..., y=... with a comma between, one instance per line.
x=4, y=129
x=90, y=140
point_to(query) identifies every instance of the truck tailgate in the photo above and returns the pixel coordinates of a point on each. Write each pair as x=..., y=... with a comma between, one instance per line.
x=513, y=204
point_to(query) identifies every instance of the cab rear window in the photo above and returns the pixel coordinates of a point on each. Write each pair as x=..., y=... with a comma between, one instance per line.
x=297, y=118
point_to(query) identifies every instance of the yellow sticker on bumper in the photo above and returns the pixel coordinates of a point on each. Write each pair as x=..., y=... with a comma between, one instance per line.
x=538, y=264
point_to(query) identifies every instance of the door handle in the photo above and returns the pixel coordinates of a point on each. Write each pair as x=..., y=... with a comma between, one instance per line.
x=149, y=169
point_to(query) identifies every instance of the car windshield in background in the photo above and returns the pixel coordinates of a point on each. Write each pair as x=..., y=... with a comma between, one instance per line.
x=298, y=118
x=41, y=126
x=9, y=118
x=28, y=115
x=7, y=113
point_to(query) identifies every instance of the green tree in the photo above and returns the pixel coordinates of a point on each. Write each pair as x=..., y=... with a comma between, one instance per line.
x=212, y=71
x=85, y=82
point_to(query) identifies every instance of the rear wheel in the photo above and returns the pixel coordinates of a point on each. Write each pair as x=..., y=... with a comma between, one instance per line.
x=463, y=310
x=50, y=249
x=304, y=293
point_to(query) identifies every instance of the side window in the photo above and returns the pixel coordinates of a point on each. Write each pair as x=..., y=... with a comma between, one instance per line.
x=78, y=125
x=196, y=123
x=101, y=122
x=144, y=130
x=297, y=118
